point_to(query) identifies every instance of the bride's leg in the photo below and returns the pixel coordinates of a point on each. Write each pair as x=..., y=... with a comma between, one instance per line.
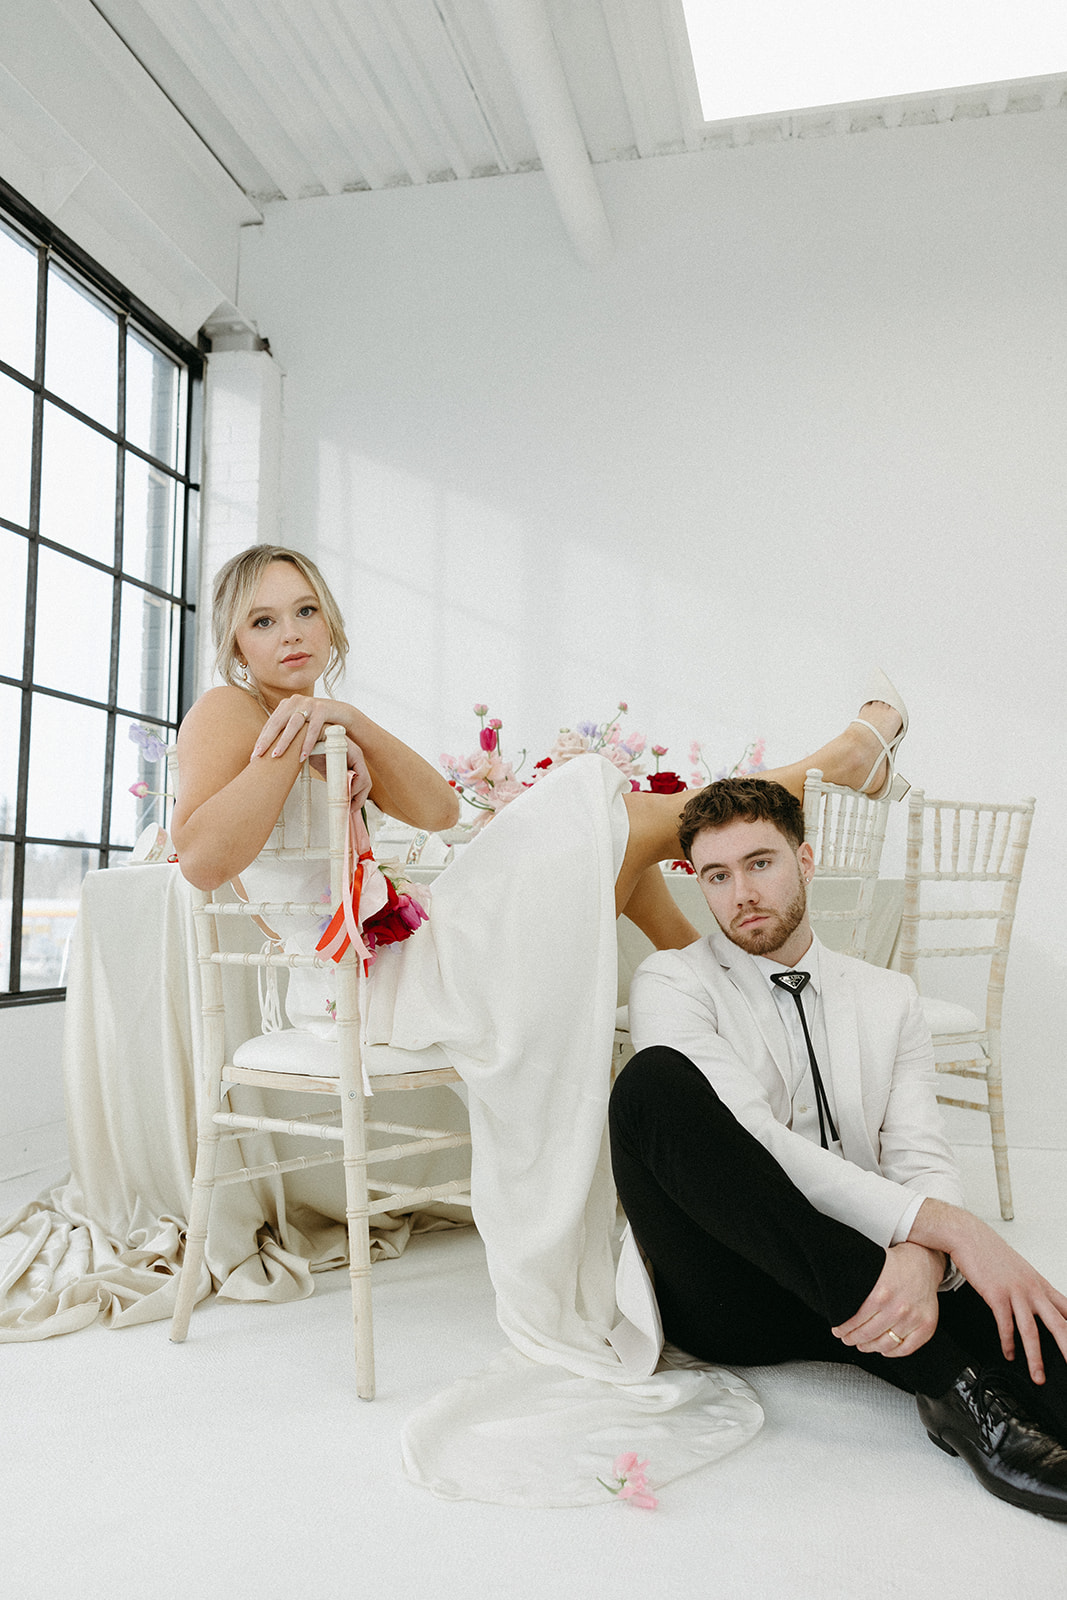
x=656, y=912
x=653, y=835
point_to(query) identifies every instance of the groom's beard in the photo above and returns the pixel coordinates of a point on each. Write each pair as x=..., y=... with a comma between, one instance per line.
x=772, y=934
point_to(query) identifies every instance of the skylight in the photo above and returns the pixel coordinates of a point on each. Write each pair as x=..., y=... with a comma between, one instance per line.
x=785, y=55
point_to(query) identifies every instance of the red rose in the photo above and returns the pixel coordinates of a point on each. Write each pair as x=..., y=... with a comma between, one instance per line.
x=397, y=919
x=665, y=783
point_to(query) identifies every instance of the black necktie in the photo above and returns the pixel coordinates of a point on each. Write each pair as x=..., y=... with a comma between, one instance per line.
x=793, y=982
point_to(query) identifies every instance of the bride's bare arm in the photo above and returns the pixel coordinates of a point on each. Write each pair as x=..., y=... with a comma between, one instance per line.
x=230, y=795
x=227, y=804
x=402, y=783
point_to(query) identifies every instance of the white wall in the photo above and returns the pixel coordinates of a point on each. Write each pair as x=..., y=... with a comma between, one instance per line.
x=810, y=416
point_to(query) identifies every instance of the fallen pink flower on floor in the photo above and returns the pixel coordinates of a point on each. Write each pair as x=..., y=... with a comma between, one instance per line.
x=629, y=1481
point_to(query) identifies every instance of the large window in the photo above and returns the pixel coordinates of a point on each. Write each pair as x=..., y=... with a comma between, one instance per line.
x=98, y=433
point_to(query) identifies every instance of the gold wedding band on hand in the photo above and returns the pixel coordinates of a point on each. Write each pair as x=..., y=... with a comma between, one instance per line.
x=895, y=1336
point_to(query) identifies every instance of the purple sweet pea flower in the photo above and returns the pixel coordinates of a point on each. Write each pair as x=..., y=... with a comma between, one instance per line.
x=154, y=749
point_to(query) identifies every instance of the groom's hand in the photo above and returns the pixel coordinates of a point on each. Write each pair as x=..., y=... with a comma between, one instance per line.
x=900, y=1313
x=1016, y=1293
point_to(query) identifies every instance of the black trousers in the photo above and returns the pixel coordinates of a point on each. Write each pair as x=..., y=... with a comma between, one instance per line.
x=748, y=1272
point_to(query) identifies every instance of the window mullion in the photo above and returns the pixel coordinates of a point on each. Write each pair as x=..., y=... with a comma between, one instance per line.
x=18, y=876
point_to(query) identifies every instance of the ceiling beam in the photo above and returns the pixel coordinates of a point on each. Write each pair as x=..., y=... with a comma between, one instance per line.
x=525, y=38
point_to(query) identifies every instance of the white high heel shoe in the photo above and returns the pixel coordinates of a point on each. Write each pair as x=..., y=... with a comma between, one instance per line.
x=894, y=786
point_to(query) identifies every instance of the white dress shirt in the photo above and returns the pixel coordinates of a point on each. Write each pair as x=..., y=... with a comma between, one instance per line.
x=804, y=1119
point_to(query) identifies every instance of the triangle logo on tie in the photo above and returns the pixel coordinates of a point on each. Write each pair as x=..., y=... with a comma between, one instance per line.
x=794, y=981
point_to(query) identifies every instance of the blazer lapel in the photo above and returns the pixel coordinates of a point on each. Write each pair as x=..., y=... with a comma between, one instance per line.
x=843, y=1039
x=752, y=986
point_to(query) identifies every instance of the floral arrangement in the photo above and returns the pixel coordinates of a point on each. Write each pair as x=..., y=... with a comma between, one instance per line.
x=629, y=1481
x=488, y=782
x=402, y=913
x=153, y=749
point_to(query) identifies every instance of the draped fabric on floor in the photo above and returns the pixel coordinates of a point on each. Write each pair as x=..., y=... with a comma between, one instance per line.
x=106, y=1244
x=515, y=976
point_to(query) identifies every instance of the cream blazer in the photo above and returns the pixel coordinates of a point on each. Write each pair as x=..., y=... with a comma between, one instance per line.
x=712, y=1003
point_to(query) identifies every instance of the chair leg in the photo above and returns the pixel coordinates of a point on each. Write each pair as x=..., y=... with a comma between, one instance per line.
x=357, y=1216
x=207, y=1151
x=995, y=1095
x=357, y=1200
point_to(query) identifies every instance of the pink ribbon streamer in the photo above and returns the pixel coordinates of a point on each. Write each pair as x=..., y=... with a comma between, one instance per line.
x=345, y=927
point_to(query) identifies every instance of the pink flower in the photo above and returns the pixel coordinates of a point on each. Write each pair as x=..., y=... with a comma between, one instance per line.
x=480, y=711
x=139, y=790
x=640, y=1497
x=756, y=755
x=660, y=750
x=487, y=738
x=495, y=722
x=618, y=758
x=629, y=1482
x=623, y=706
x=568, y=745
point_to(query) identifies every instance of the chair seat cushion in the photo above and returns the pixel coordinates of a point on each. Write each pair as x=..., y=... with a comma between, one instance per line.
x=297, y=1051
x=943, y=1016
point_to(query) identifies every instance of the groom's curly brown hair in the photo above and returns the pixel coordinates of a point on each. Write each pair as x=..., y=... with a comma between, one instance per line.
x=747, y=799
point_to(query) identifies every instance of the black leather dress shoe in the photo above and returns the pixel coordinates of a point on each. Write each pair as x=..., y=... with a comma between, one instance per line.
x=980, y=1419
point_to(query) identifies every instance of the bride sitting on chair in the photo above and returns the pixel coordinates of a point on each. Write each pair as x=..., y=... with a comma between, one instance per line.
x=513, y=977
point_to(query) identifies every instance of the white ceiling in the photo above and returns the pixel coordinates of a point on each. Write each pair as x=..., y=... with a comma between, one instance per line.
x=325, y=97
x=153, y=131
x=329, y=96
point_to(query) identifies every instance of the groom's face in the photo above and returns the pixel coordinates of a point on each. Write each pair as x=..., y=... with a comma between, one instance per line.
x=755, y=882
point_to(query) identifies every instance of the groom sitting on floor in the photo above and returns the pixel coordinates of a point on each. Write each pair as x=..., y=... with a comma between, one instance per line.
x=778, y=1150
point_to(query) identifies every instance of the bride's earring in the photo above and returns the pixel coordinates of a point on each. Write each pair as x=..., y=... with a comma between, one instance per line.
x=241, y=670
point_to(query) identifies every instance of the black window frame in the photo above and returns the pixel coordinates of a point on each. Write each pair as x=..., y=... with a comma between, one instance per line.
x=53, y=246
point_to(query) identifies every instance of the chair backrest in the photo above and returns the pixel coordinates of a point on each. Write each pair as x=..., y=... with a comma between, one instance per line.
x=846, y=831
x=295, y=836
x=972, y=843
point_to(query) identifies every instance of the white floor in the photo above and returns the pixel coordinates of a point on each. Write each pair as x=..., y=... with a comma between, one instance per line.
x=241, y=1464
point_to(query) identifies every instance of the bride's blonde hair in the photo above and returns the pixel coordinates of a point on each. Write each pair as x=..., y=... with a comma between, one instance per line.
x=235, y=590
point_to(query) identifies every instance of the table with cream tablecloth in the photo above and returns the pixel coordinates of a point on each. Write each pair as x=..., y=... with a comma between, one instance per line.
x=107, y=1242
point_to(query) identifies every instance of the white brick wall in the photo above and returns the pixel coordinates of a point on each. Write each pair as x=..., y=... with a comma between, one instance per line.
x=242, y=471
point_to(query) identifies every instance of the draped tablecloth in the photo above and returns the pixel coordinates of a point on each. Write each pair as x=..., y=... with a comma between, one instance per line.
x=106, y=1244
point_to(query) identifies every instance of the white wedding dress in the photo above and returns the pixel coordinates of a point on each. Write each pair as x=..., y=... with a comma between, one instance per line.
x=514, y=977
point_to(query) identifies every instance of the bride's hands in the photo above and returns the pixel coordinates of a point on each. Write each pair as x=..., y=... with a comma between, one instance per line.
x=405, y=785
x=299, y=716
x=361, y=786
